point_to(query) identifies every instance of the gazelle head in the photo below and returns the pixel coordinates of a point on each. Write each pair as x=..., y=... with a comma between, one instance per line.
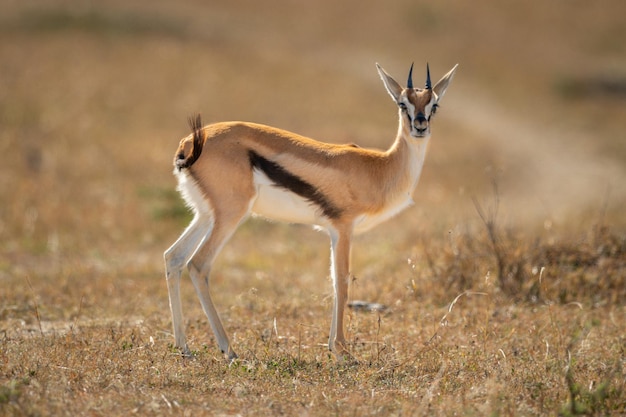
x=417, y=105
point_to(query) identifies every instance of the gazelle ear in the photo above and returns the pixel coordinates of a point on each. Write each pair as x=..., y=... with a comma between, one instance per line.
x=393, y=88
x=442, y=85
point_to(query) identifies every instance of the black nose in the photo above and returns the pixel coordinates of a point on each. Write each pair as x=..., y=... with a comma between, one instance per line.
x=420, y=117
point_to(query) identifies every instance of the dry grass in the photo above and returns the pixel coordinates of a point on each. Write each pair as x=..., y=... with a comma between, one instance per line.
x=500, y=303
x=454, y=341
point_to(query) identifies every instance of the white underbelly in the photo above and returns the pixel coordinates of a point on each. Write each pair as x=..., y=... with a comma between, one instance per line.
x=276, y=203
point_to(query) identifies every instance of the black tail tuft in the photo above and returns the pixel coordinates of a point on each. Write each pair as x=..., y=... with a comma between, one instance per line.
x=199, y=136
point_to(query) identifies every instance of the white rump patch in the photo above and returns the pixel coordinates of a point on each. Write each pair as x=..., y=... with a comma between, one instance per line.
x=192, y=194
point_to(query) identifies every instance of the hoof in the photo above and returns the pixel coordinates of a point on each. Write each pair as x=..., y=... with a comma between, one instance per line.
x=343, y=355
x=185, y=352
x=230, y=356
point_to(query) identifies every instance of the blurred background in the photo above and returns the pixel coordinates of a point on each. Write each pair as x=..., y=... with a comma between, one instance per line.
x=94, y=97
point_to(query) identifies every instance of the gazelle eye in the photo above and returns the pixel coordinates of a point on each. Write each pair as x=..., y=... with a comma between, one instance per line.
x=402, y=106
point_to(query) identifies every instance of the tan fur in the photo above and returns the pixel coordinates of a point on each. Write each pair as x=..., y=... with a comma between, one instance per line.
x=369, y=179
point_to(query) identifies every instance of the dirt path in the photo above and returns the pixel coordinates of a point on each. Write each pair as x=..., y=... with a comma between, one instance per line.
x=546, y=172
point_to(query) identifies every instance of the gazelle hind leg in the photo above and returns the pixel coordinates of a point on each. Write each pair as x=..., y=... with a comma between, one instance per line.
x=175, y=259
x=200, y=269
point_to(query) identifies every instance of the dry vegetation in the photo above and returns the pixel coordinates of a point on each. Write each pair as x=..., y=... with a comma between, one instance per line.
x=506, y=300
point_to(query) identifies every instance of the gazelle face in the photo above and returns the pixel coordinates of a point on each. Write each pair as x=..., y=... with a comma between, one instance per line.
x=417, y=105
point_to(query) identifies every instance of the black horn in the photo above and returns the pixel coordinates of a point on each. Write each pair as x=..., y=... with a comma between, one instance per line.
x=428, y=84
x=409, y=83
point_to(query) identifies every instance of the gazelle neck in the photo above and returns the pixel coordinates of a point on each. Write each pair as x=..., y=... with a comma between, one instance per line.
x=407, y=155
x=401, y=168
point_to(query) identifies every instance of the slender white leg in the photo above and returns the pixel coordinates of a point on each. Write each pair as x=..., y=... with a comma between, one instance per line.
x=200, y=269
x=340, y=272
x=334, y=236
x=175, y=259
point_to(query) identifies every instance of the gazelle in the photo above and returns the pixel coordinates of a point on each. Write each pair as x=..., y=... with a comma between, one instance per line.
x=227, y=171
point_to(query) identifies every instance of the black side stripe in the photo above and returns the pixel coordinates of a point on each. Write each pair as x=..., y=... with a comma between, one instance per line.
x=285, y=179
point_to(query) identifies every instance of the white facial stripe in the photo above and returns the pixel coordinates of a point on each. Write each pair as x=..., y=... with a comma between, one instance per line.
x=406, y=108
x=410, y=108
x=429, y=108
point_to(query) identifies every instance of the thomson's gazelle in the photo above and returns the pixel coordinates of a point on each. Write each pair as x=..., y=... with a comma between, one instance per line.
x=227, y=171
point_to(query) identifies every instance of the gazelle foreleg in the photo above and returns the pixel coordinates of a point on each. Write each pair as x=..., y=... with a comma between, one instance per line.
x=200, y=269
x=175, y=259
x=340, y=241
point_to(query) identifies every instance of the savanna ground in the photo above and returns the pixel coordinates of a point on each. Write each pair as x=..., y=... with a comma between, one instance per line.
x=505, y=284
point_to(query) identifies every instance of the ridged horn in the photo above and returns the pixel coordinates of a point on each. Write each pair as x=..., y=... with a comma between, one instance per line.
x=409, y=83
x=428, y=84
